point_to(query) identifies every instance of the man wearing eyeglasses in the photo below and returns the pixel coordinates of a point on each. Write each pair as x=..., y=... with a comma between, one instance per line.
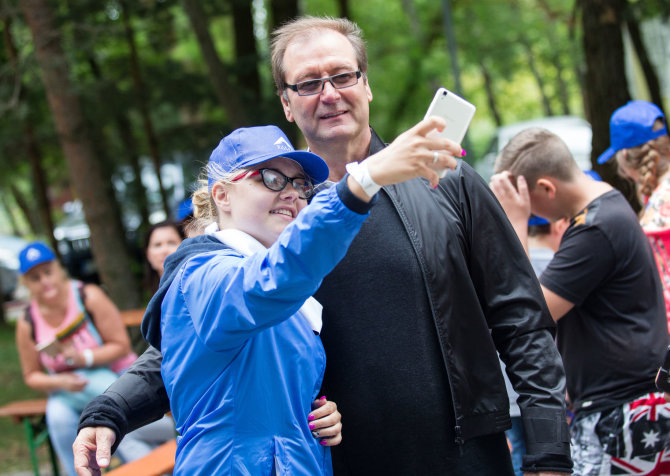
x=433, y=284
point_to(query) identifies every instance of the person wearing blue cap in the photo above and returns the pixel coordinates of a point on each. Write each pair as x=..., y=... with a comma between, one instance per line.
x=604, y=291
x=71, y=343
x=234, y=317
x=632, y=126
x=641, y=150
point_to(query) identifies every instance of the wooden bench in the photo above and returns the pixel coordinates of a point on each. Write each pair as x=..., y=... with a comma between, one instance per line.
x=31, y=414
x=159, y=461
x=132, y=317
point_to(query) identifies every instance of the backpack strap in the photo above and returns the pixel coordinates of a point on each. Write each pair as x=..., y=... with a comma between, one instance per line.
x=28, y=317
x=81, y=294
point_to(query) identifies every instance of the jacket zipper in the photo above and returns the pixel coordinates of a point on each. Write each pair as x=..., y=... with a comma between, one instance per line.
x=457, y=429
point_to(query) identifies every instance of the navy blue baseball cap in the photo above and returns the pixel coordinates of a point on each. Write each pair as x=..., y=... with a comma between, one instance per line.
x=33, y=254
x=535, y=220
x=631, y=126
x=249, y=146
x=185, y=208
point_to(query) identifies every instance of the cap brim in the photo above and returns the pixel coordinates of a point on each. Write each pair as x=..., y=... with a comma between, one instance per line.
x=607, y=155
x=25, y=268
x=313, y=165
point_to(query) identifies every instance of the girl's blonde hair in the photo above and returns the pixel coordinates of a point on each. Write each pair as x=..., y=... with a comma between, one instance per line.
x=204, y=207
x=651, y=159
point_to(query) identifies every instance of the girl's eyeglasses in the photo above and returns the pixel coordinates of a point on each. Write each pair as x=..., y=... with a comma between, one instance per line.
x=276, y=181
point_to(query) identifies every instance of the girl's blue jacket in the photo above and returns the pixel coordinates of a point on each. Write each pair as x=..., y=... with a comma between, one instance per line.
x=241, y=365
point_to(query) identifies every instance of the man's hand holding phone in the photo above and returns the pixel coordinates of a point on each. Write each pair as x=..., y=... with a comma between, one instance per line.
x=456, y=113
x=415, y=153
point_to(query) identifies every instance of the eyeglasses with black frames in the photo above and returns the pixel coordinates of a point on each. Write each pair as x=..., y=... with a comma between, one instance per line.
x=315, y=86
x=276, y=181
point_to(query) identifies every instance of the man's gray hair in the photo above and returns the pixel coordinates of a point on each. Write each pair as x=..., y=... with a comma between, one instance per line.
x=304, y=27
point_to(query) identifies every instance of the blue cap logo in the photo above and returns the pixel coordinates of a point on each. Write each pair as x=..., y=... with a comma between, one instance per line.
x=33, y=254
x=249, y=146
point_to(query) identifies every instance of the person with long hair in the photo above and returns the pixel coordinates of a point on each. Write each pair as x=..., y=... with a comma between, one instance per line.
x=160, y=240
x=641, y=148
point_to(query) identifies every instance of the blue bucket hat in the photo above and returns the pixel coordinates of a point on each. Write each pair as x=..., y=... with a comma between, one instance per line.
x=631, y=126
x=250, y=146
x=33, y=254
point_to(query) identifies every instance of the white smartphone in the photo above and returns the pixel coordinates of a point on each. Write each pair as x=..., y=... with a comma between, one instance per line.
x=456, y=111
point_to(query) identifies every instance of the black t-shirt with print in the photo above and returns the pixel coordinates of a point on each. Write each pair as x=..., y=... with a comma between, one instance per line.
x=614, y=338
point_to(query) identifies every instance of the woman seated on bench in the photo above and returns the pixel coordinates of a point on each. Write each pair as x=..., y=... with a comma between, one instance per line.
x=72, y=344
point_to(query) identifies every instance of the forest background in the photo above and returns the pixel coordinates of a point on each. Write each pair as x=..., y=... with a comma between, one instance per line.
x=98, y=95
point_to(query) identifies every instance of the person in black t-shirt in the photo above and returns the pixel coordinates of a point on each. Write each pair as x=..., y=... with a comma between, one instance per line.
x=603, y=288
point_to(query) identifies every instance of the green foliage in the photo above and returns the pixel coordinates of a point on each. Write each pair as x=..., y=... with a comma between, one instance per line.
x=408, y=60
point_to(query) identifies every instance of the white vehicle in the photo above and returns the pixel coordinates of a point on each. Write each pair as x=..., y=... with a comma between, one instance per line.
x=574, y=131
x=10, y=247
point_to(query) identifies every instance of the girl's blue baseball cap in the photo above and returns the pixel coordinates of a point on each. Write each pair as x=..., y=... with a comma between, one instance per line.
x=33, y=254
x=631, y=126
x=249, y=146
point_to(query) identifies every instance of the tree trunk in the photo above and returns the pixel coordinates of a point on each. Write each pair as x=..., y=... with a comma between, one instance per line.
x=343, y=9
x=546, y=105
x=40, y=185
x=10, y=216
x=236, y=112
x=107, y=237
x=283, y=11
x=129, y=145
x=32, y=150
x=246, y=53
x=490, y=94
x=561, y=86
x=648, y=69
x=26, y=209
x=143, y=103
x=606, y=87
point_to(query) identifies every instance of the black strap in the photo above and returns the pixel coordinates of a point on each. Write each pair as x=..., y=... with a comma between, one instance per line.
x=28, y=317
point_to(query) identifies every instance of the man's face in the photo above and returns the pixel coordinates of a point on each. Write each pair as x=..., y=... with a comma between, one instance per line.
x=334, y=114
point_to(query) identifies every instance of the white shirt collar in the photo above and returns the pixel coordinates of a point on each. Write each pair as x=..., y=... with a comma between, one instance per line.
x=247, y=245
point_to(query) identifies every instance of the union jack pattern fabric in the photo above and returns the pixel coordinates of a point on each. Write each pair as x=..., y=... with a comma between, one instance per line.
x=632, y=439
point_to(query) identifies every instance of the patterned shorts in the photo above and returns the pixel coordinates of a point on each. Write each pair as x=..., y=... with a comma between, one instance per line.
x=633, y=438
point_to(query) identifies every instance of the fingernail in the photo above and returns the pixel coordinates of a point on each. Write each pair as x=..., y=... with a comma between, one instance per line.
x=433, y=187
x=312, y=426
x=315, y=434
x=103, y=462
x=323, y=442
x=310, y=418
x=463, y=153
x=322, y=398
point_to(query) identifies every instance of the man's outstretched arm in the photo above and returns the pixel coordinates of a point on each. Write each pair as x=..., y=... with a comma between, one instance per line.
x=137, y=398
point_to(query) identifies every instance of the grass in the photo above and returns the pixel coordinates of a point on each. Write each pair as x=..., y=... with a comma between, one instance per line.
x=14, y=453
